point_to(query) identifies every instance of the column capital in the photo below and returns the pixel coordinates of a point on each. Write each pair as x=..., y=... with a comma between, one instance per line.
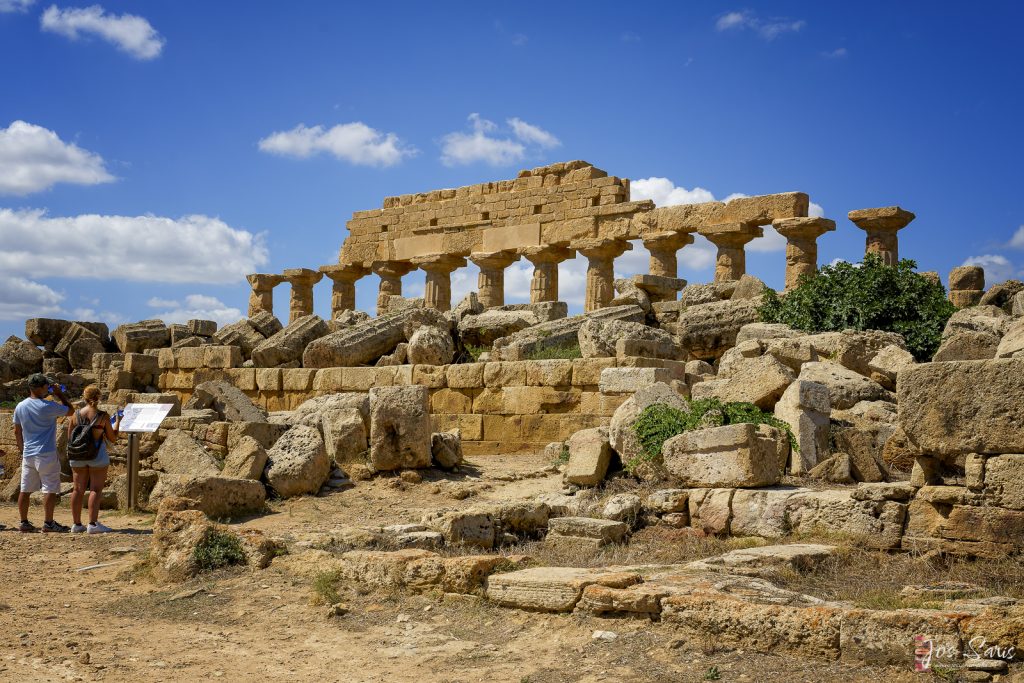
x=494, y=259
x=601, y=248
x=344, y=272
x=547, y=253
x=391, y=268
x=439, y=263
x=883, y=219
x=303, y=276
x=261, y=281
x=669, y=241
x=731, y=234
x=811, y=227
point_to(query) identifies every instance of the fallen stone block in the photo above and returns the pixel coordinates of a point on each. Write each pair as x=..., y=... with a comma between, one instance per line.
x=181, y=453
x=707, y=330
x=727, y=456
x=805, y=407
x=483, y=329
x=430, y=346
x=598, y=339
x=363, y=343
x=400, y=428
x=551, y=589
x=245, y=460
x=845, y=387
x=297, y=464
x=230, y=403
x=558, y=333
x=446, y=449
x=218, y=497
x=589, y=457
x=289, y=344
x=140, y=336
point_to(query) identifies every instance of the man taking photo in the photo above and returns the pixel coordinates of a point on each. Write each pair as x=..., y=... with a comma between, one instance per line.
x=35, y=429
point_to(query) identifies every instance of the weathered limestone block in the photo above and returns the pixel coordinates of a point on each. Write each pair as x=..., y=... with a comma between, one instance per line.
x=985, y=531
x=47, y=332
x=845, y=387
x=991, y=319
x=78, y=345
x=344, y=432
x=731, y=455
x=400, y=429
x=446, y=449
x=430, y=346
x=966, y=278
x=589, y=457
x=805, y=407
x=964, y=407
x=1012, y=343
x=551, y=589
x=620, y=432
x=546, y=311
x=760, y=381
x=1003, y=482
x=181, y=453
x=876, y=524
x=967, y=345
x=748, y=287
x=18, y=359
x=363, y=343
x=629, y=379
x=230, y=403
x=137, y=337
x=557, y=333
x=862, y=432
x=297, y=464
x=761, y=512
x=311, y=412
x=1002, y=294
x=594, y=533
x=246, y=459
x=242, y=334
x=288, y=345
x=709, y=329
x=265, y=323
x=886, y=365
x=695, y=295
x=473, y=528
x=710, y=510
x=202, y=328
x=629, y=292
x=56, y=366
x=598, y=339
x=218, y=497
x=483, y=329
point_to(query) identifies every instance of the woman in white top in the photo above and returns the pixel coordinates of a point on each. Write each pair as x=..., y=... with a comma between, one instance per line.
x=91, y=473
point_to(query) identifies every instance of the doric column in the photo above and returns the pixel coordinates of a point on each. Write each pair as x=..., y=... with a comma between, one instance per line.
x=601, y=254
x=491, y=283
x=302, y=281
x=801, y=245
x=730, y=238
x=390, y=274
x=343, y=289
x=545, y=260
x=262, y=296
x=437, y=291
x=664, y=248
x=881, y=225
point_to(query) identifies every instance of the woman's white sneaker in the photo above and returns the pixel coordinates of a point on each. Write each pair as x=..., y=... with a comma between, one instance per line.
x=99, y=528
x=78, y=528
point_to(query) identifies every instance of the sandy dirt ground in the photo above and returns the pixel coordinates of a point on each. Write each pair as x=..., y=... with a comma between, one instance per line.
x=61, y=622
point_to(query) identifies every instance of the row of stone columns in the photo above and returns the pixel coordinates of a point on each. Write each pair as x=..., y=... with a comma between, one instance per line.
x=730, y=240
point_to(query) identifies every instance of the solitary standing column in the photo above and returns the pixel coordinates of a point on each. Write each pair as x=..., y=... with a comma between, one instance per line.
x=437, y=291
x=881, y=225
x=545, y=260
x=302, y=281
x=601, y=254
x=262, y=296
x=491, y=283
x=343, y=289
x=390, y=274
x=801, y=245
x=730, y=238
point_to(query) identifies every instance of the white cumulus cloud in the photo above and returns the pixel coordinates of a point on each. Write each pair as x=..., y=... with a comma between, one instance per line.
x=663, y=192
x=22, y=298
x=356, y=143
x=1017, y=241
x=33, y=158
x=137, y=248
x=768, y=29
x=129, y=33
x=15, y=5
x=196, y=307
x=486, y=143
x=997, y=267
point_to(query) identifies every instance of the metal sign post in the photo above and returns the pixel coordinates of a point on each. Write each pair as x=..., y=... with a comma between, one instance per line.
x=140, y=418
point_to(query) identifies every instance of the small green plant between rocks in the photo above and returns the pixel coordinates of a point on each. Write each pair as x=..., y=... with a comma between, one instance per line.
x=567, y=352
x=325, y=588
x=219, y=549
x=659, y=422
x=563, y=456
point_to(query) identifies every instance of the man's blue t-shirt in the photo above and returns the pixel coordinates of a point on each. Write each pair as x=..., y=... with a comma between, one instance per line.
x=38, y=420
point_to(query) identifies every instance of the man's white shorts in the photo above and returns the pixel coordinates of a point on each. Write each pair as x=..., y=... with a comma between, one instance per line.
x=40, y=473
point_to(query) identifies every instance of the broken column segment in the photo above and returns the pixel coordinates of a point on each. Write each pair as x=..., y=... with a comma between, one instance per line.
x=262, y=296
x=390, y=274
x=556, y=333
x=545, y=260
x=437, y=289
x=966, y=286
x=302, y=281
x=365, y=342
x=801, y=245
x=600, y=254
x=730, y=238
x=343, y=288
x=491, y=283
x=881, y=226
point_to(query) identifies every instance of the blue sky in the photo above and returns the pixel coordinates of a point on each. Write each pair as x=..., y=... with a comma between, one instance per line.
x=136, y=185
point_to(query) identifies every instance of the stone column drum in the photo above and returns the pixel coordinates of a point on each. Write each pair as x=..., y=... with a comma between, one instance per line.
x=262, y=296
x=545, y=260
x=664, y=248
x=343, y=289
x=390, y=274
x=801, y=245
x=881, y=226
x=966, y=285
x=730, y=239
x=302, y=281
x=437, y=291
x=601, y=255
x=491, y=283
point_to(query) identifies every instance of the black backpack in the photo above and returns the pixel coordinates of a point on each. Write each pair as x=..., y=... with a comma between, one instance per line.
x=81, y=445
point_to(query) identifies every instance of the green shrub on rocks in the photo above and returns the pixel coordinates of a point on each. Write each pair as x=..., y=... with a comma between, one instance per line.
x=866, y=296
x=219, y=549
x=658, y=423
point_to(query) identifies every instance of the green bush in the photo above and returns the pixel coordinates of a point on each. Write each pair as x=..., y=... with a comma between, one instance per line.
x=567, y=352
x=866, y=296
x=474, y=352
x=658, y=423
x=219, y=549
